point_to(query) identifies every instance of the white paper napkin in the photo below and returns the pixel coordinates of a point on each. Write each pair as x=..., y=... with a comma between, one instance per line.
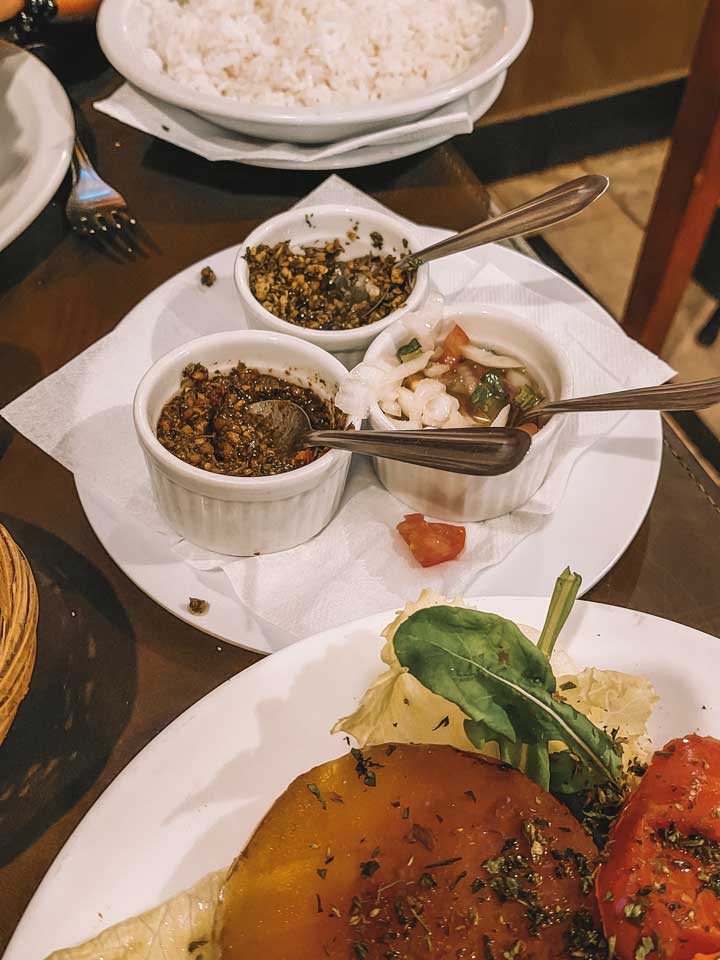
x=204, y=138
x=82, y=416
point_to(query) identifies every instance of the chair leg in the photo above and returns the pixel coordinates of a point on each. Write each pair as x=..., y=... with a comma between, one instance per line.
x=686, y=199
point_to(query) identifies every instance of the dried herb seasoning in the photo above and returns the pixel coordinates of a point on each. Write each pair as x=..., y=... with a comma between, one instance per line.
x=315, y=791
x=207, y=277
x=308, y=286
x=698, y=846
x=198, y=606
x=208, y=424
x=364, y=767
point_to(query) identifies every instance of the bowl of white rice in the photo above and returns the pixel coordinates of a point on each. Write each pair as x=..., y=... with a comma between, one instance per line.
x=311, y=71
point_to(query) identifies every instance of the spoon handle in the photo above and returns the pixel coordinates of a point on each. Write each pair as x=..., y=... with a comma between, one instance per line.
x=477, y=451
x=669, y=396
x=552, y=207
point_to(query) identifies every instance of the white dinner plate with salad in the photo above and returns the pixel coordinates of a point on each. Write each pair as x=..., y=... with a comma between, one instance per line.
x=607, y=497
x=189, y=801
x=37, y=136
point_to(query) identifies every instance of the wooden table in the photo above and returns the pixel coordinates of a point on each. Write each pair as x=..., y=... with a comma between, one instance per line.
x=113, y=668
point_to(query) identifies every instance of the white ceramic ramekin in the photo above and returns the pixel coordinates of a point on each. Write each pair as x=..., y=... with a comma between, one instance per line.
x=314, y=225
x=450, y=496
x=241, y=516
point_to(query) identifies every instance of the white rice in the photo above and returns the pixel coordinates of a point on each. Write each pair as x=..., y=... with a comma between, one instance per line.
x=314, y=52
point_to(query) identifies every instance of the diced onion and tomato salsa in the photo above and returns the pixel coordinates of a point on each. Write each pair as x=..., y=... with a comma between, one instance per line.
x=461, y=384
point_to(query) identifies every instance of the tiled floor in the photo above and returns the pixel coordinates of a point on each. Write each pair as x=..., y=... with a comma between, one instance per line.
x=601, y=247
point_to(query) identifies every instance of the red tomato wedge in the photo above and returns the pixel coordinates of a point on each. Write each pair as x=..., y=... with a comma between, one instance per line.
x=456, y=339
x=659, y=891
x=431, y=543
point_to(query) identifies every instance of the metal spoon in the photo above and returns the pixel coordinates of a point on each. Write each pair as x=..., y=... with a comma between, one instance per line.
x=477, y=451
x=543, y=211
x=695, y=395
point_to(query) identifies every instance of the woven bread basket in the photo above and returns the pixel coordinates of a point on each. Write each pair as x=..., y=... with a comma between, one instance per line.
x=18, y=628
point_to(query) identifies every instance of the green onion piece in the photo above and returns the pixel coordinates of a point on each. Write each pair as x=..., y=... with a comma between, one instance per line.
x=480, y=397
x=494, y=383
x=527, y=398
x=561, y=603
x=410, y=351
x=491, y=387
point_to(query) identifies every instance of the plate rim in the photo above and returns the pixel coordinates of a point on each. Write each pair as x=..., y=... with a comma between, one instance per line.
x=61, y=151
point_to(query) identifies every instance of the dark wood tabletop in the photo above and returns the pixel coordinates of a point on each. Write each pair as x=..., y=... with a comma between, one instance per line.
x=113, y=668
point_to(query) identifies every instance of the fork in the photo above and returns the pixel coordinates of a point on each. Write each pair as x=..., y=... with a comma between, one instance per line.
x=94, y=209
x=98, y=212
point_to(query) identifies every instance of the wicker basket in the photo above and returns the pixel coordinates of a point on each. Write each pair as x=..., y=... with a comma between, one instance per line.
x=18, y=628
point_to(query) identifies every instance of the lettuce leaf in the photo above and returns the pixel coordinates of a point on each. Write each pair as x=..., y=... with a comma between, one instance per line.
x=179, y=929
x=397, y=708
x=614, y=701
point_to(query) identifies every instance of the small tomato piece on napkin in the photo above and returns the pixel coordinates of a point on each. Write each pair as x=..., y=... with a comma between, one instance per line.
x=454, y=341
x=431, y=543
x=658, y=889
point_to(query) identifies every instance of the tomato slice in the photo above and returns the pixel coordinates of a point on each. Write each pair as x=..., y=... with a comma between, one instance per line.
x=659, y=891
x=465, y=813
x=456, y=339
x=431, y=543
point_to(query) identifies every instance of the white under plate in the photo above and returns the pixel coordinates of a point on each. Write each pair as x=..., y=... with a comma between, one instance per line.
x=189, y=801
x=607, y=497
x=479, y=100
x=36, y=132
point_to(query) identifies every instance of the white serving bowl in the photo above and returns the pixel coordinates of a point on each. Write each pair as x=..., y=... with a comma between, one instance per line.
x=450, y=496
x=316, y=224
x=241, y=516
x=123, y=30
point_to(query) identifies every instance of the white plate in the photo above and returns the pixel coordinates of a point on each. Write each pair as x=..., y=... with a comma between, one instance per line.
x=479, y=100
x=607, y=497
x=36, y=131
x=188, y=802
x=123, y=30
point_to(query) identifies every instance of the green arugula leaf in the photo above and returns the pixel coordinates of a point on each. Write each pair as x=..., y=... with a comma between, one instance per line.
x=505, y=685
x=569, y=775
x=532, y=758
x=536, y=764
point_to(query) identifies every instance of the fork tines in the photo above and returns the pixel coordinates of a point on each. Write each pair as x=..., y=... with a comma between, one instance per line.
x=116, y=232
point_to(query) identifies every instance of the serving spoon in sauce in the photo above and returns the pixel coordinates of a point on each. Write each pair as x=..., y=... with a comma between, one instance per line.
x=477, y=451
x=543, y=211
x=693, y=395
